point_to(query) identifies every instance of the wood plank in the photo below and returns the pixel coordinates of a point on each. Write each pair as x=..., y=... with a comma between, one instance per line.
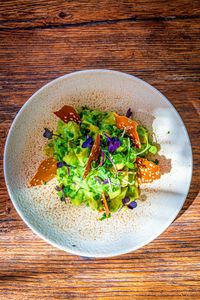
x=165, y=54
x=20, y=13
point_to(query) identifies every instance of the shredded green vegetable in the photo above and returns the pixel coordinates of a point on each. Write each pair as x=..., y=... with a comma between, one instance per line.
x=114, y=174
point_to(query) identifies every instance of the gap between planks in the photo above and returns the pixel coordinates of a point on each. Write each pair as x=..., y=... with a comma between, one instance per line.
x=96, y=23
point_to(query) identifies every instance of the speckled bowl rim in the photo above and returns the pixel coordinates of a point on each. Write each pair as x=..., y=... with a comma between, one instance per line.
x=23, y=216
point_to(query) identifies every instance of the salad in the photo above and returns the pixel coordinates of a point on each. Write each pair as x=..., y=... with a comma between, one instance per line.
x=98, y=158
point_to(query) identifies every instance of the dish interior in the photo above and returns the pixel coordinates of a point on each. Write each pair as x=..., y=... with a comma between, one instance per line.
x=77, y=229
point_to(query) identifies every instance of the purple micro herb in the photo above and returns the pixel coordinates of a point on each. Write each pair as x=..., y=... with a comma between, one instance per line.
x=129, y=113
x=114, y=144
x=88, y=142
x=48, y=134
x=125, y=200
x=106, y=181
x=61, y=164
x=132, y=205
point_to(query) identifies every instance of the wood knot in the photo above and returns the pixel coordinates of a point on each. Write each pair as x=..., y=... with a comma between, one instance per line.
x=62, y=15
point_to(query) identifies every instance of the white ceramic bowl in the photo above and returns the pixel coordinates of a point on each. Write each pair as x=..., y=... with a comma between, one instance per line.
x=77, y=230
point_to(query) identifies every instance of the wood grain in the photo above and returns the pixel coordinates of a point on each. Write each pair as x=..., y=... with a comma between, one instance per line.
x=20, y=14
x=157, y=41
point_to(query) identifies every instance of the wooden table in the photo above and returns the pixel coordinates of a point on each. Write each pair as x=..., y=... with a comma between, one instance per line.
x=157, y=41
